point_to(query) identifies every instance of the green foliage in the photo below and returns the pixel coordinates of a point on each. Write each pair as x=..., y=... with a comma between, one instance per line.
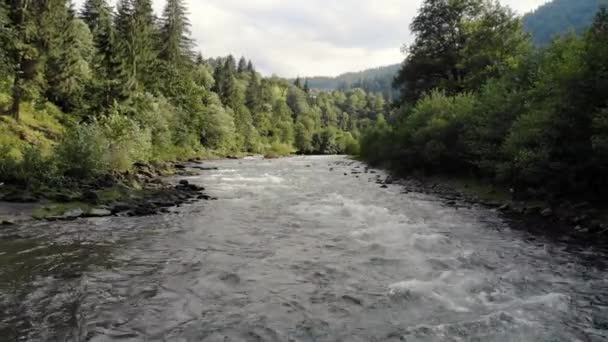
x=459, y=45
x=97, y=93
x=535, y=120
x=559, y=17
x=82, y=153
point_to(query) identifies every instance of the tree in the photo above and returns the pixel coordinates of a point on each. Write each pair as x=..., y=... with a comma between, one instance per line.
x=68, y=70
x=97, y=14
x=22, y=52
x=242, y=65
x=6, y=40
x=176, y=44
x=137, y=34
x=298, y=82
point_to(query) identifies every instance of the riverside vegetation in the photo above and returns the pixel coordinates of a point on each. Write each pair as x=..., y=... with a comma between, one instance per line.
x=92, y=93
x=479, y=100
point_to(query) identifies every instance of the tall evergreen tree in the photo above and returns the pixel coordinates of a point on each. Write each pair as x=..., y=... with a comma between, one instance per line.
x=230, y=65
x=298, y=82
x=242, y=65
x=176, y=44
x=23, y=51
x=97, y=14
x=250, y=67
x=137, y=34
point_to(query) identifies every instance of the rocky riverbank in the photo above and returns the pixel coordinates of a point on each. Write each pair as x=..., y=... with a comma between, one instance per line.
x=563, y=220
x=147, y=190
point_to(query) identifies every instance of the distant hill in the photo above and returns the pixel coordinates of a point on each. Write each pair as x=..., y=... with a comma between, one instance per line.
x=379, y=80
x=560, y=16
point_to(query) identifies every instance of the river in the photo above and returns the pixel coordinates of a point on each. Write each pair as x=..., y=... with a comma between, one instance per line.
x=299, y=249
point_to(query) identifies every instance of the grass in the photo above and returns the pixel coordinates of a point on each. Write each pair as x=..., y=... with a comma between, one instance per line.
x=38, y=126
x=58, y=209
x=278, y=150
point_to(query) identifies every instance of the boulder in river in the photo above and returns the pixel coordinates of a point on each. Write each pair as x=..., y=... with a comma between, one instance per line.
x=99, y=212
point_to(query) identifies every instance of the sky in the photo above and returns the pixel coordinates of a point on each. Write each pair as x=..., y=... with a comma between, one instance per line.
x=308, y=37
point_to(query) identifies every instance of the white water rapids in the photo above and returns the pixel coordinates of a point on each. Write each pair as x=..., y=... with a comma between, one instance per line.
x=295, y=250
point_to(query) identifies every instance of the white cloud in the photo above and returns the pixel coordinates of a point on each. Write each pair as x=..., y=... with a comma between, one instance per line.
x=311, y=37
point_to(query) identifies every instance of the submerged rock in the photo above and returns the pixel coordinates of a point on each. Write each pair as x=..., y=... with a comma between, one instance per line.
x=99, y=212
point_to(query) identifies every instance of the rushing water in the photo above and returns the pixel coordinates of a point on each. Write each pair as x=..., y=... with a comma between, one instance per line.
x=295, y=250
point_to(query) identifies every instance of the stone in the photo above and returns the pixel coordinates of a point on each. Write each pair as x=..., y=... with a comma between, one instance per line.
x=90, y=196
x=99, y=212
x=72, y=214
x=384, y=186
x=504, y=207
x=546, y=212
x=20, y=197
x=7, y=223
x=120, y=206
x=184, y=182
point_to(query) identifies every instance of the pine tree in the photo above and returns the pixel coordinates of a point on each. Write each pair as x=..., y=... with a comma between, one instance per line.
x=250, y=67
x=176, y=45
x=298, y=82
x=6, y=40
x=253, y=97
x=199, y=59
x=23, y=51
x=242, y=65
x=97, y=14
x=137, y=34
x=230, y=65
x=306, y=88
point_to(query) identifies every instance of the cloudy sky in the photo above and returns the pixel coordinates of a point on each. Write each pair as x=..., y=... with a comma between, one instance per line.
x=308, y=37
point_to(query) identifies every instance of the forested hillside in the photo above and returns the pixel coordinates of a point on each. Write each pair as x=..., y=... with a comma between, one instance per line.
x=559, y=17
x=91, y=91
x=478, y=99
x=376, y=80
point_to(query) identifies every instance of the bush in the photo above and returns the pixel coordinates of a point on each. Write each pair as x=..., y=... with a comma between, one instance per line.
x=278, y=150
x=33, y=170
x=128, y=143
x=83, y=152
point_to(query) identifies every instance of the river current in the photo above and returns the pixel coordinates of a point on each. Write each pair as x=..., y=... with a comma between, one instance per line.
x=299, y=249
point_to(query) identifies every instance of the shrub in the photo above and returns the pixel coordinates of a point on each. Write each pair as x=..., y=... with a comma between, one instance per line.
x=83, y=152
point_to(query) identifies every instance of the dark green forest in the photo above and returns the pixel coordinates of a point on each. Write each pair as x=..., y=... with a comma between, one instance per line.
x=560, y=17
x=478, y=99
x=84, y=92
x=376, y=80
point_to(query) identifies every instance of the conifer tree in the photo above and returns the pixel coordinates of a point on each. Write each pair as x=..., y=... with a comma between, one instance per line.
x=176, y=45
x=137, y=34
x=97, y=14
x=230, y=65
x=22, y=51
x=242, y=65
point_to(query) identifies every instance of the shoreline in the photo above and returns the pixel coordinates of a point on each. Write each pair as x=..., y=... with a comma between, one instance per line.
x=146, y=190
x=577, y=222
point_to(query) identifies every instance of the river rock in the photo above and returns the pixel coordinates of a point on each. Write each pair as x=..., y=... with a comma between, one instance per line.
x=547, y=212
x=20, y=197
x=99, y=212
x=90, y=196
x=117, y=207
x=505, y=207
x=6, y=223
x=72, y=214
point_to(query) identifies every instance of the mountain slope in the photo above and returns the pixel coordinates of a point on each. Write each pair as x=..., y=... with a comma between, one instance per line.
x=378, y=80
x=559, y=17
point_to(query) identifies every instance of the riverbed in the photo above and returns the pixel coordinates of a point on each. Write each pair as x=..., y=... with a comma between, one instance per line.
x=299, y=249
